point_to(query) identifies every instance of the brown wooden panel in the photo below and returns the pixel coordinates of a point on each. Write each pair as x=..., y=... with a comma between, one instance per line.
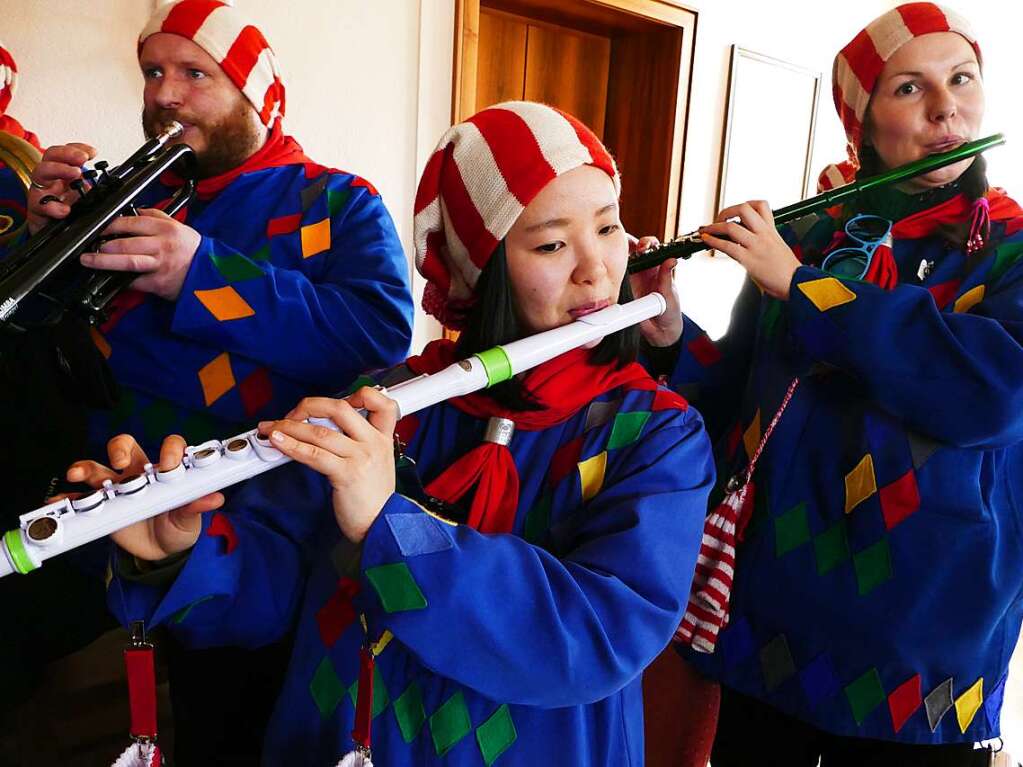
x=602, y=17
x=569, y=70
x=641, y=124
x=501, y=62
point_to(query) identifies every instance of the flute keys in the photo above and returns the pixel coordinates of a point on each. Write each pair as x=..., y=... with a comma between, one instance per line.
x=206, y=454
x=133, y=484
x=237, y=448
x=44, y=531
x=91, y=502
x=171, y=475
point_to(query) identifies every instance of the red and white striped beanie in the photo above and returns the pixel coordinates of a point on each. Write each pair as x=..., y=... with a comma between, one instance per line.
x=236, y=45
x=480, y=178
x=859, y=64
x=8, y=78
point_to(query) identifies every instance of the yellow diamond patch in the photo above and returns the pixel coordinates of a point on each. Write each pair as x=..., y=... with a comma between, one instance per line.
x=968, y=704
x=591, y=472
x=860, y=483
x=751, y=439
x=969, y=299
x=216, y=378
x=827, y=293
x=315, y=238
x=225, y=303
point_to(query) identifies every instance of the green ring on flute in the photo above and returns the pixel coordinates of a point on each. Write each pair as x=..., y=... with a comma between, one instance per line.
x=16, y=548
x=496, y=365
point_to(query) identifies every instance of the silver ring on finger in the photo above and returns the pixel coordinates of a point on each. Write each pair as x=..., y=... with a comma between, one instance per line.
x=36, y=185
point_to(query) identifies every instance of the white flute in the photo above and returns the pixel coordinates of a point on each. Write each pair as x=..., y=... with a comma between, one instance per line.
x=211, y=466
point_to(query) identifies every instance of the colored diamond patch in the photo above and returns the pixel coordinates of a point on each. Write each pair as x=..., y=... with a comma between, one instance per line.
x=234, y=267
x=599, y=413
x=409, y=711
x=769, y=323
x=283, y=225
x=864, y=695
x=380, y=696
x=216, y=378
x=873, y=566
x=418, y=534
x=1005, y=256
x=969, y=299
x=904, y=700
x=819, y=681
x=100, y=342
x=449, y=724
x=591, y=474
x=326, y=688
x=313, y=191
x=938, y=702
x=496, y=735
x=704, y=351
x=225, y=304
x=565, y=459
x=826, y=293
x=626, y=429
x=899, y=499
x=751, y=437
x=397, y=589
x=263, y=254
x=968, y=704
x=831, y=548
x=256, y=391
x=791, y=530
x=315, y=238
x=336, y=200
x=776, y=662
x=860, y=483
x=337, y=614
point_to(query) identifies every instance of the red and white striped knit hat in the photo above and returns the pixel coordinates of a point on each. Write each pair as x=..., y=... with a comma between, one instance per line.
x=480, y=178
x=236, y=45
x=8, y=78
x=859, y=64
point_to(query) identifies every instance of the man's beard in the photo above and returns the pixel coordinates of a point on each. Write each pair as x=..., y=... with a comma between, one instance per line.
x=229, y=143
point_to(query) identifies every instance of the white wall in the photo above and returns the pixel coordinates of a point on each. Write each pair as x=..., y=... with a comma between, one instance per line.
x=351, y=70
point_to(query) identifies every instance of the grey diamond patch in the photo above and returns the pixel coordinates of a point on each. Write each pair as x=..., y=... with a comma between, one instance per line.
x=776, y=662
x=599, y=413
x=921, y=447
x=938, y=702
x=311, y=192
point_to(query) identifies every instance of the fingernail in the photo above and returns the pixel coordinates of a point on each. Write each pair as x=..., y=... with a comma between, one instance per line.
x=86, y=258
x=262, y=426
x=277, y=436
x=74, y=474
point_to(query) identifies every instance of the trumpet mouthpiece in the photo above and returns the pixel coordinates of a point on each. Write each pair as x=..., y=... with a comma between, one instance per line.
x=173, y=129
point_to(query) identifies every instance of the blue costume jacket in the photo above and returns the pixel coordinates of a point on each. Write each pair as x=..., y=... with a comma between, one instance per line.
x=877, y=590
x=298, y=285
x=521, y=648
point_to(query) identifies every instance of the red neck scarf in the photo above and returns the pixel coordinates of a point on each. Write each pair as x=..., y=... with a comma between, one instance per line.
x=9, y=125
x=561, y=386
x=278, y=150
x=995, y=206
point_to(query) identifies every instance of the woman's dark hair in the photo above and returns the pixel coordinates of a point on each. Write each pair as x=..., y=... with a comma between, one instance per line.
x=492, y=322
